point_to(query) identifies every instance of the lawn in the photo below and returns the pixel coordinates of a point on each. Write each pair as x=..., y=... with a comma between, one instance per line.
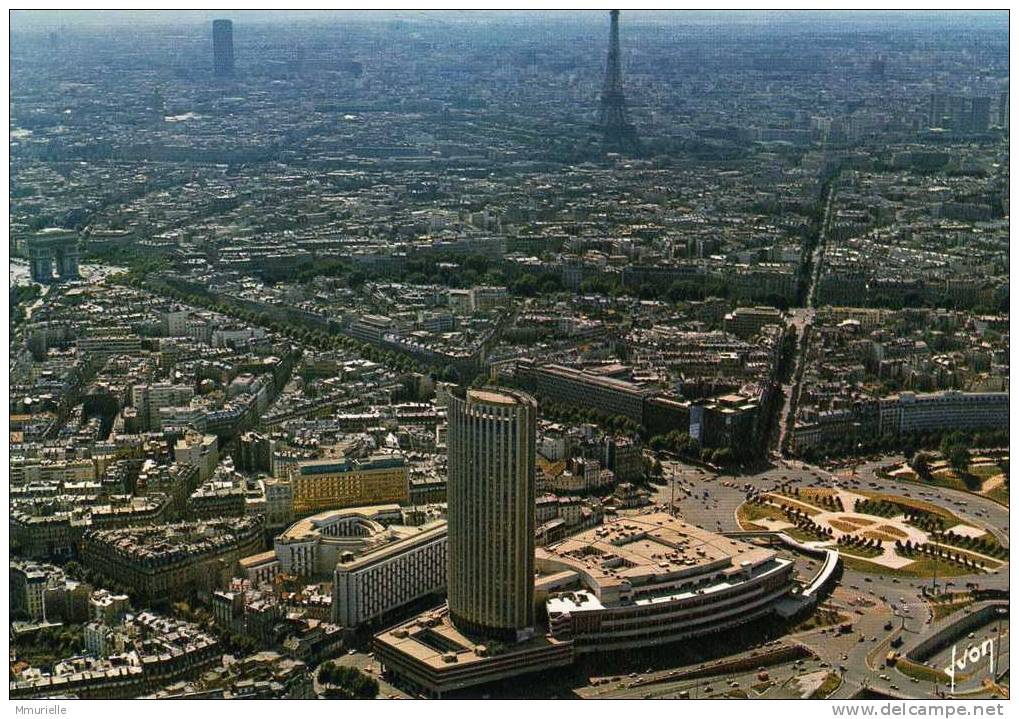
x=863, y=552
x=805, y=505
x=916, y=504
x=849, y=524
x=748, y=513
x=921, y=672
x=830, y=684
x=944, y=609
x=920, y=568
x=986, y=470
x=942, y=475
x=885, y=533
x=950, y=479
x=999, y=494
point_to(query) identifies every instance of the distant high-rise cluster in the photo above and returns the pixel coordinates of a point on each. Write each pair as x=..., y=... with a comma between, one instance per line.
x=223, y=48
x=619, y=134
x=960, y=113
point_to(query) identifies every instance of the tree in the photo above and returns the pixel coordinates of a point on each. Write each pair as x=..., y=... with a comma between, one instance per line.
x=526, y=285
x=356, y=279
x=347, y=682
x=958, y=457
x=723, y=457
x=920, y=463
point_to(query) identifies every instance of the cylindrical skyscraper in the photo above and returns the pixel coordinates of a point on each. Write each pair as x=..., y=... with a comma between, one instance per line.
x=490, y=494
x=223, y=48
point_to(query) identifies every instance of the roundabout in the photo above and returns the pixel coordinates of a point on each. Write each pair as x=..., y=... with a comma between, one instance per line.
x=880, y=531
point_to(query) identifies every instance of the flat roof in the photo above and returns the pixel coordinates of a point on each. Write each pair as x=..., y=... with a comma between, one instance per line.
x=646, y=549
x=310, y=525
x=492, y=397
x=431, y=639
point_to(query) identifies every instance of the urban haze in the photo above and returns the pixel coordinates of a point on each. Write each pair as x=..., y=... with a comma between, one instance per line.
x=509, y=355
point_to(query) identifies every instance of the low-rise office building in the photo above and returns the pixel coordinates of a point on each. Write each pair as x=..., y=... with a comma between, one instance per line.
x=373, y=585
x=379, y=558
x=332, y=484
x=950, y=410
x=653, y=579
x=635, y=582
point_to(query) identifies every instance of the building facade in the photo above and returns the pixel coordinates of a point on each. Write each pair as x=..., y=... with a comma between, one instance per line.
x=491, y=495
x=331, y=484
x=371, y=586
x=223, y=47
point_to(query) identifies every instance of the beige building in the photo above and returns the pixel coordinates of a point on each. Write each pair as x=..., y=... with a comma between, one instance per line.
x=198, y=450
x=332, y=484
x=746, y=322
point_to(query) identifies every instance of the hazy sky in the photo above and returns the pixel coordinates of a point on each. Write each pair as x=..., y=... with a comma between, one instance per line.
x=50, y=19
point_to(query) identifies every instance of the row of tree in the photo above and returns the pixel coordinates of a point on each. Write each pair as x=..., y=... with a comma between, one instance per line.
x=907, y=444
x=571, y=413
x=316, y=337
x=681, y=443
x=867, y=543
x=981, y=545
x=911, y=549
x=877, y=507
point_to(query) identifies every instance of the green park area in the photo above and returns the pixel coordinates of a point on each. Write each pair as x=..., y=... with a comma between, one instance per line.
x=878, y=532
x=956, y=467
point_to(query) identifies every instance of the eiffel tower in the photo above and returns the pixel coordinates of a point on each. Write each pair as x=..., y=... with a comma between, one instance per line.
x=618, y=134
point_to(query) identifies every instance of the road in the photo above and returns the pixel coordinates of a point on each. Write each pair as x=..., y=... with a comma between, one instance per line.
x=871, y=600
x=800, y=318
